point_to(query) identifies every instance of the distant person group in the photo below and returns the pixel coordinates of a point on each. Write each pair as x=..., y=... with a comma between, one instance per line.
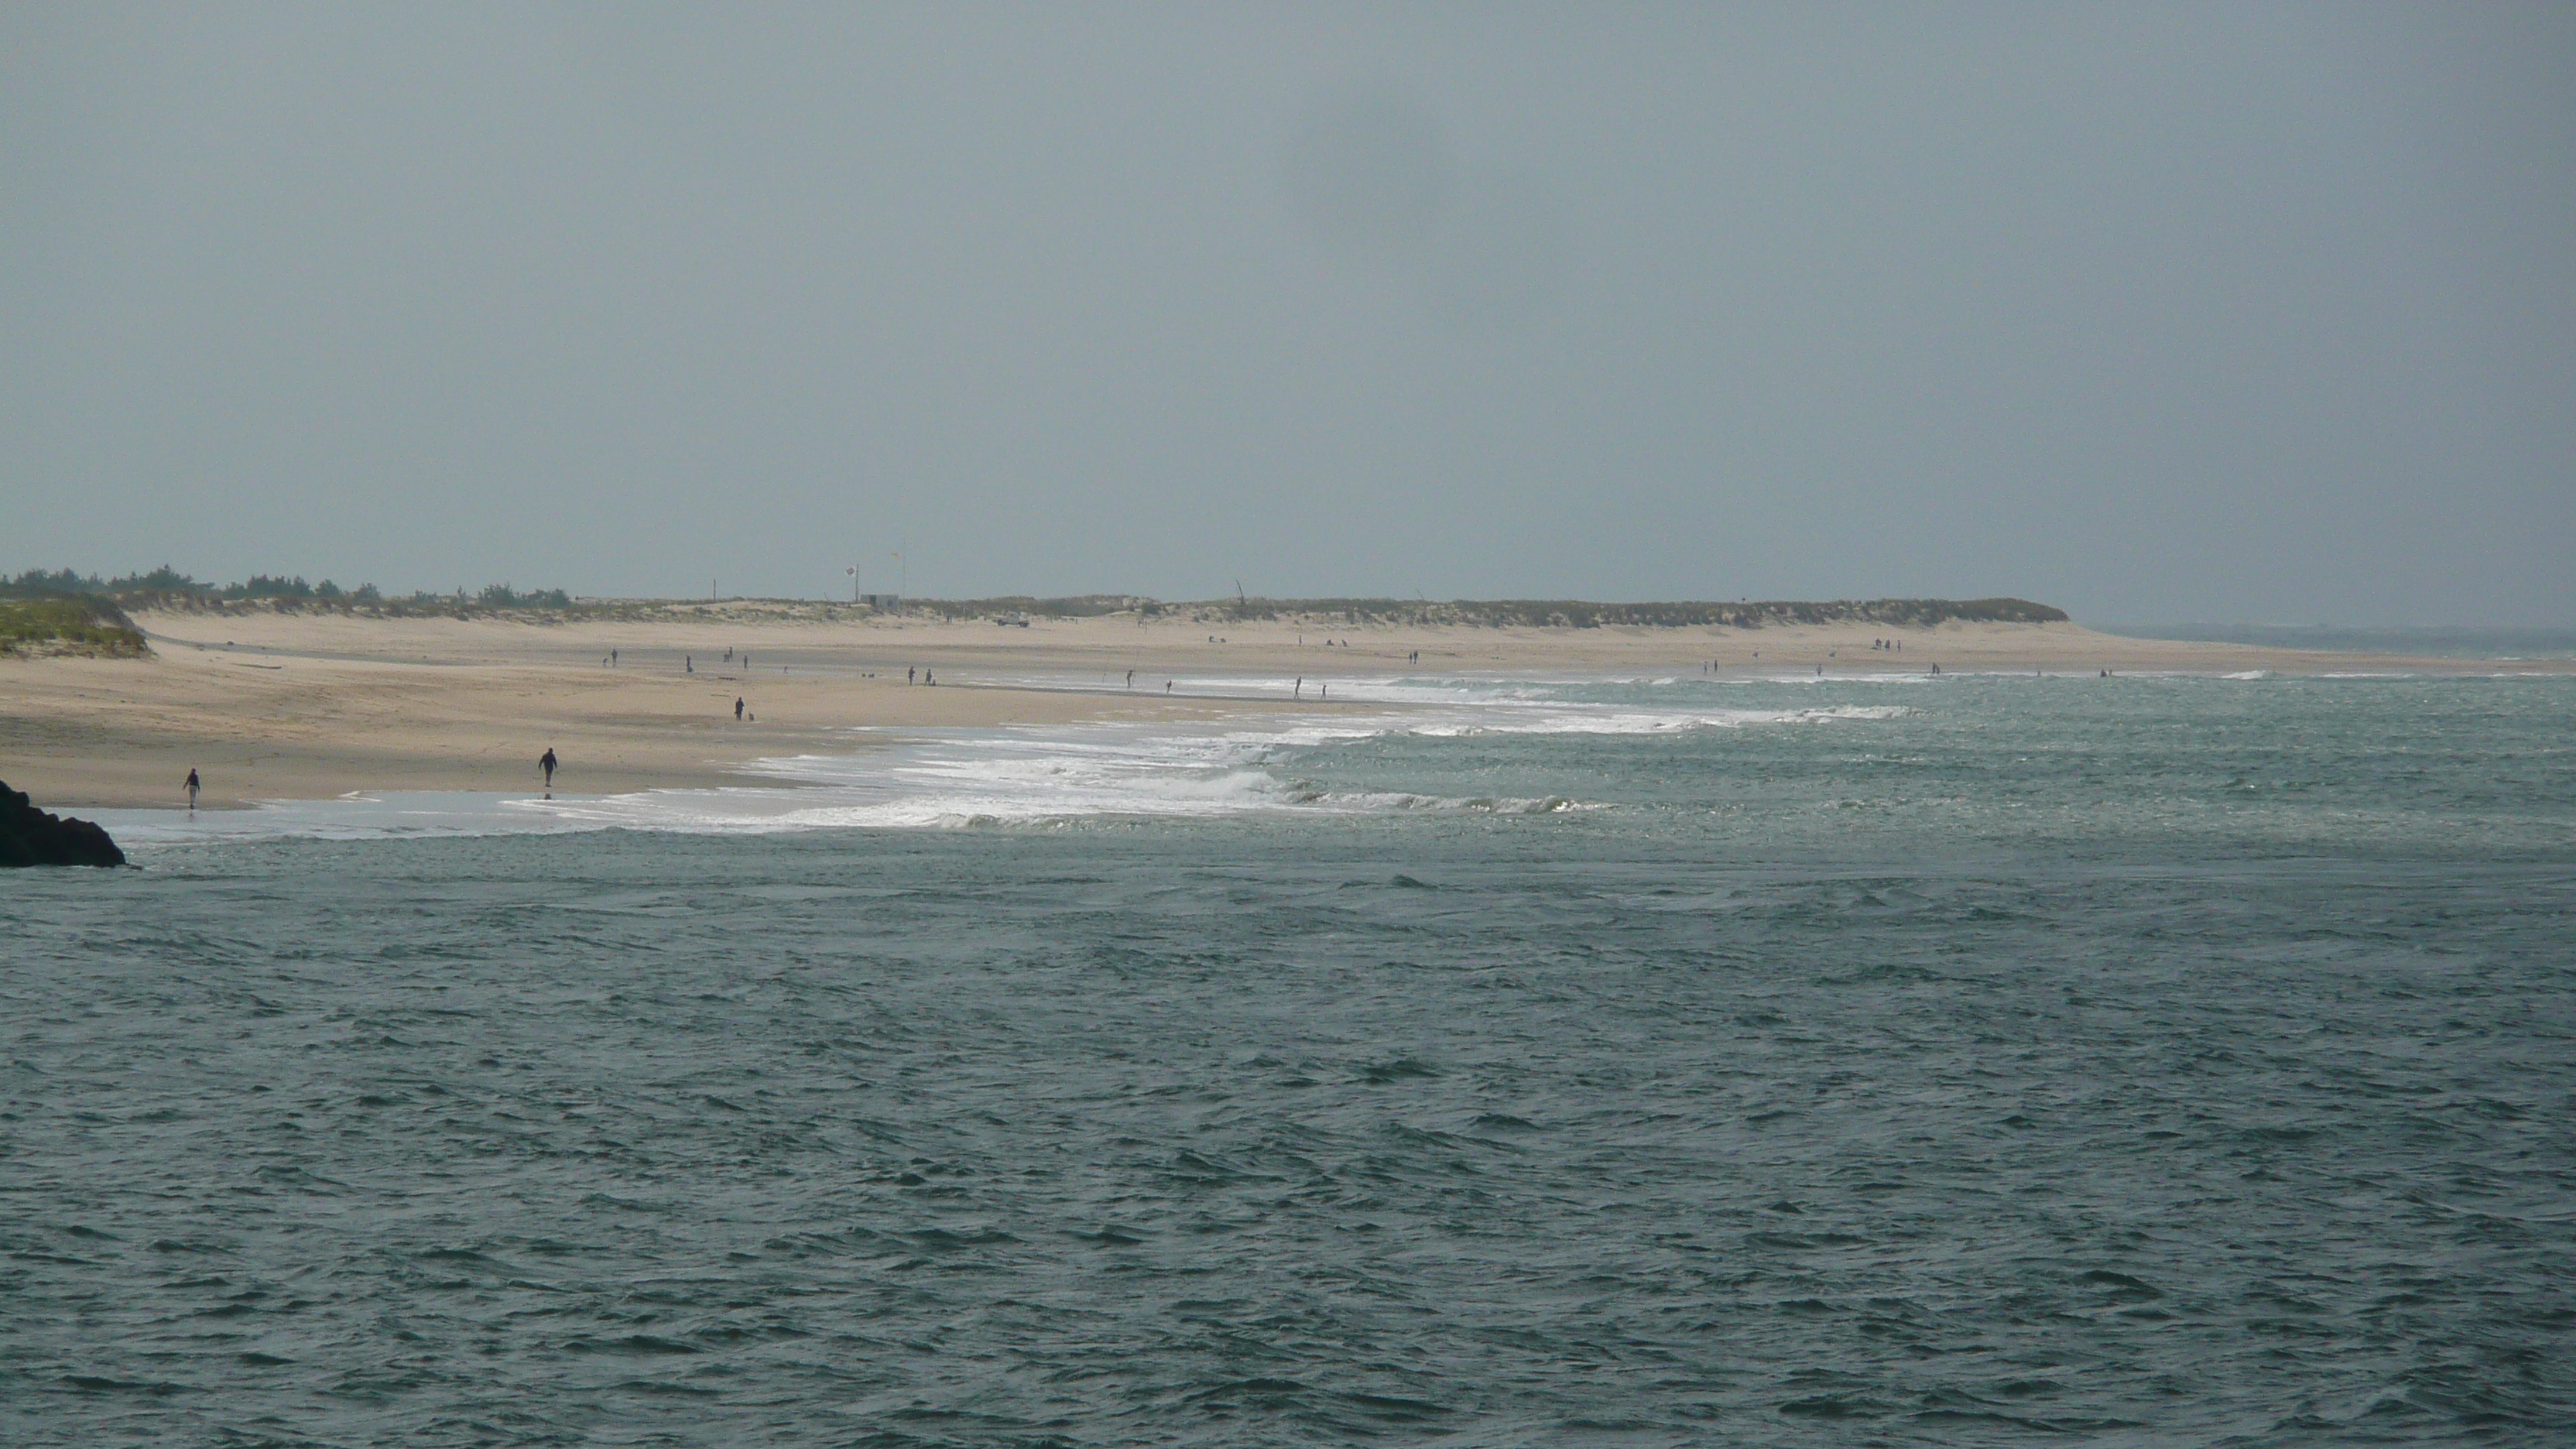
x=689, y=662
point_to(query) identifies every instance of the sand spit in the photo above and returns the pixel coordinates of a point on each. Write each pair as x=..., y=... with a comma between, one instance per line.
x=313, y=706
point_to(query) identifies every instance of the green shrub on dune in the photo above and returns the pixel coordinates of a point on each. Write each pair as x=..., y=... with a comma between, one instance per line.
x=71, y=625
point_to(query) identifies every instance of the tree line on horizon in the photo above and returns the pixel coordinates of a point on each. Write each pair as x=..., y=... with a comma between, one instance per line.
x=1505, y=613
x=167, y=587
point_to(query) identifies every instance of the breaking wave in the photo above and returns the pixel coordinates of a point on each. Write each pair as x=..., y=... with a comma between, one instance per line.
x=1036, y=776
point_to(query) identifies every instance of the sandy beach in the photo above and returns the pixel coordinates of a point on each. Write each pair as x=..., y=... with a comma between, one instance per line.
x=312, y=706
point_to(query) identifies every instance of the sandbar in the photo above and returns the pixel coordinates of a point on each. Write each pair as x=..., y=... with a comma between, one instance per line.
x=285, y=705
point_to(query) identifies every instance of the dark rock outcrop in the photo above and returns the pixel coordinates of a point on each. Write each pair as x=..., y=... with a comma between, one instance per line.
x=29, y=836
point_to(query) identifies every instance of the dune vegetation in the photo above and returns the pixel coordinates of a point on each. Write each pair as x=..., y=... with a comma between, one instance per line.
x=166, y=588
x=68, y=625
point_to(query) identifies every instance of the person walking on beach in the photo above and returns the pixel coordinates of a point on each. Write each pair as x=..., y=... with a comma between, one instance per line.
x=612, y=659
x=737, y=709
x=192, y=787
x=1131, y=679
x=907, y=674
x=546, y=762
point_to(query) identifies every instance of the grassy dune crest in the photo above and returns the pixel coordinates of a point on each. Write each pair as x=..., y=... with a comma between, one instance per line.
x=94, y=627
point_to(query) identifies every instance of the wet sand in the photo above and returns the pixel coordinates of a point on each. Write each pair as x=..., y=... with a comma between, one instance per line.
x=294, y=706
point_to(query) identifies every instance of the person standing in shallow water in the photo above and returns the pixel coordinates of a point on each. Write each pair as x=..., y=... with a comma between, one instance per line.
x=546, y=762
x=192, y=787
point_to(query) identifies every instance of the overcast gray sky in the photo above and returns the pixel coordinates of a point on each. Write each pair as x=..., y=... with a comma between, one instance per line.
x=2261, y=312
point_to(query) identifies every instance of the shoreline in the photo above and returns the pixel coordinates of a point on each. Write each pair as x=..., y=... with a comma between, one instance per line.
x=314, y=707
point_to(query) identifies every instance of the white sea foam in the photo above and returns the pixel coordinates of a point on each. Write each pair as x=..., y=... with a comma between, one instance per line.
x=1038, y=775
x=390, y=814
x=1034, y=776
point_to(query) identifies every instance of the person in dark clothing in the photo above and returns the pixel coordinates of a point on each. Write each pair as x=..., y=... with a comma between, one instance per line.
x=192, y=788
x=546, y=762
x=737, y=709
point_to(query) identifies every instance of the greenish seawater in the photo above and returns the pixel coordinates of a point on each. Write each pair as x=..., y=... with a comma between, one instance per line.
x=2153, y=1061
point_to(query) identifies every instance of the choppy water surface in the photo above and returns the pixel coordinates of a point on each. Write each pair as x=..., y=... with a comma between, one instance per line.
x=2127, y=1062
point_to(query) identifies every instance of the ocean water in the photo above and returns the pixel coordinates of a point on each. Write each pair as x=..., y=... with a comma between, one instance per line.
x=1494, y=1062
